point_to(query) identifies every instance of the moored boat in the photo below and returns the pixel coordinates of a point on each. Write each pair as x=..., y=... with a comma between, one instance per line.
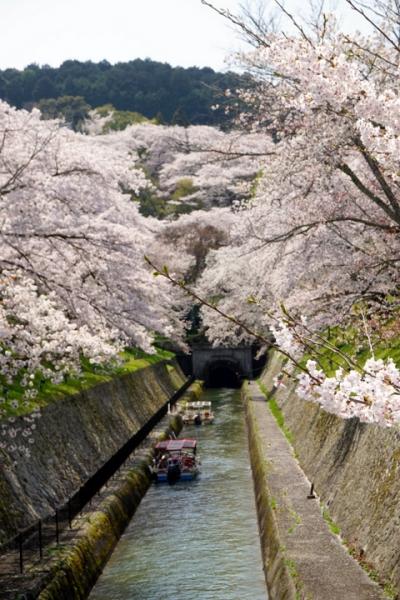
x=176, y=460
x=197, y=413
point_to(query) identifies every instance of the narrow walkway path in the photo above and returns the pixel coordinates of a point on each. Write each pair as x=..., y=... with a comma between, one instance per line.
x=315, y=562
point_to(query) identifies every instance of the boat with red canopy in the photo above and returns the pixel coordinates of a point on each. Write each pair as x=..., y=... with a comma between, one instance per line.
x=176, y=460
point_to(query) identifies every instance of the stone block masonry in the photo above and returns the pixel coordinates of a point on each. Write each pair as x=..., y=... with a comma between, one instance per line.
x=356, y=470
x=75, y=436
x=70, y=568
x=73, y=574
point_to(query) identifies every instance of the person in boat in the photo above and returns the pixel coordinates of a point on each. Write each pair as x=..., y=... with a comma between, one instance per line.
x=188, y=461
x=162, y=462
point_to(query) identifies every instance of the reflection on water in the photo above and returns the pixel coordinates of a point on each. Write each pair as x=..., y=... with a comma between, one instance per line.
x=195, y=540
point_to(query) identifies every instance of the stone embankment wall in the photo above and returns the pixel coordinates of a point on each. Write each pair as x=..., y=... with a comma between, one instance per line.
x=356, y=471
x=73, y=439
x=77, y=567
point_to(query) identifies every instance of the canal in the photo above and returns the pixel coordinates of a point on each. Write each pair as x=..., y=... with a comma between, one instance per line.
x=195, y=540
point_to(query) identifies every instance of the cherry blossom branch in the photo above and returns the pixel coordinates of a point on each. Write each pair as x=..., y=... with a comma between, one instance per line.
x=367, y=333
x=374, y=166
x=295, y=22
x=164, y=272
x=376, y=199
x=306, y=227
x=373, y=53
x=362, y=384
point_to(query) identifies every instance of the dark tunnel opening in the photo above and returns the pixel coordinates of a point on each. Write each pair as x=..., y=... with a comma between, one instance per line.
x=223, y=375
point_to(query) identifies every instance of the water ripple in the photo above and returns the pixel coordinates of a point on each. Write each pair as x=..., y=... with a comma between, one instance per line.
x=195, y=540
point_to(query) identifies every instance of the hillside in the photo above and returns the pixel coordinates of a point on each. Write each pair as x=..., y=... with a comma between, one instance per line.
x=172, y=94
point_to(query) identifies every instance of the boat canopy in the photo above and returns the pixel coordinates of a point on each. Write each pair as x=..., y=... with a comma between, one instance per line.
x=176, y=445
x=199, y=404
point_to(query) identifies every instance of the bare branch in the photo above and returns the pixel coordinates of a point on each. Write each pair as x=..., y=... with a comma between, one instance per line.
x=374, y=24
x=238, y=22
x=256, y=335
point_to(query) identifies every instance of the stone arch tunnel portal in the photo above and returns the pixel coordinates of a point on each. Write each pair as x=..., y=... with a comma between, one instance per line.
x=221, y=366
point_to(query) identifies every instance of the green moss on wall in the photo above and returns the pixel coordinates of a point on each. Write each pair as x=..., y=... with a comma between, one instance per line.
x=74, y=572
x=278, y=576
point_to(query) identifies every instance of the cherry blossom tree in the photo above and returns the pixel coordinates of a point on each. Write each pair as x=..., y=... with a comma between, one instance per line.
x=321, y=233
x=73, y=278
x=220, y=166
x=184, y=244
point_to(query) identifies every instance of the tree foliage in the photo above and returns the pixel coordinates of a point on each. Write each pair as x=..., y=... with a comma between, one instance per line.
x=73, y=281
x=73, y=109
x=153, y=89
x=318, y=242
x=299, y=232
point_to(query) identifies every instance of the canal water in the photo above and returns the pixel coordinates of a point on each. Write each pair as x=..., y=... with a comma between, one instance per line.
x=195, y=540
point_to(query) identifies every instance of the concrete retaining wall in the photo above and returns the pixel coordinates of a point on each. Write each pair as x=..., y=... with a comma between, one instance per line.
x=356, y=471
x=303, y=559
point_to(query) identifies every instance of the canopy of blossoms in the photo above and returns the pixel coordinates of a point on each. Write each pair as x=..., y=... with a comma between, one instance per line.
x=321, y=233
x=73, y=277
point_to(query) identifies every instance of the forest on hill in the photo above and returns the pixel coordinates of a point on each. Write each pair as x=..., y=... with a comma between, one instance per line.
x=174, y=95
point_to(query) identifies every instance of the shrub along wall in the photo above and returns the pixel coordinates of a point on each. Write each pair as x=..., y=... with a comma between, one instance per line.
x=356, y=471
x=74, y=437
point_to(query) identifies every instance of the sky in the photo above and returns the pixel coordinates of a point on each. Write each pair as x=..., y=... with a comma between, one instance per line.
x=180, y=32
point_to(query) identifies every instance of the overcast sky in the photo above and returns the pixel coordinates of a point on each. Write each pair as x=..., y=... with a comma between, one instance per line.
x=181, y=32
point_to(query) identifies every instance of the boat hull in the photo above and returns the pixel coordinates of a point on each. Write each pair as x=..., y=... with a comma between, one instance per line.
x=191, y=421
x=175, y=460
x=187, y=476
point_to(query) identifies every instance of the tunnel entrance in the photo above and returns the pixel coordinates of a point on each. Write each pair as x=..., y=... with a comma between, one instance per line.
x=223, y=374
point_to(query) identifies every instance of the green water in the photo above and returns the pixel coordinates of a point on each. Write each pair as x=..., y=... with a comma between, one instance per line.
x=195, y=540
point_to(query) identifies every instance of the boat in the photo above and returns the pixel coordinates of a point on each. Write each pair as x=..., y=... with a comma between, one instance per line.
x=176, y=460
x=197, y=412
